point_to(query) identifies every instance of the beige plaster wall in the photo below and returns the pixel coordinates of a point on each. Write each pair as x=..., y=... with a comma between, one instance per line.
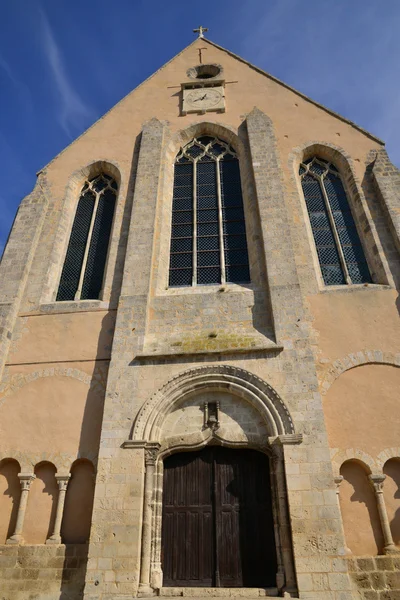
x=51, y=414
x=63, y=337
x=361, y=409
x=349, y=321
x=363, y=532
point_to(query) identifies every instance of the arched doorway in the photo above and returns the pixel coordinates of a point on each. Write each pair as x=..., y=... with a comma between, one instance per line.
x=218, y=528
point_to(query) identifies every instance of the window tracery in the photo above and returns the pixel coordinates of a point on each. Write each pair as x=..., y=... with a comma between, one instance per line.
x=208, y=238
x=340, y=253
x=83, y=270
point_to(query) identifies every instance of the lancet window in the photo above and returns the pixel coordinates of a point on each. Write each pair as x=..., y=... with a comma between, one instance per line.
x=340, y=253
x=83, y=271
x=208, y=239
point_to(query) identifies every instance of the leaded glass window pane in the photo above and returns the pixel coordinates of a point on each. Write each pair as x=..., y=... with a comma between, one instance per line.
x=83, y=270
x=338, y=245
x=98, y=249
x=181, y=256
x=208, y=219
x=76, y=248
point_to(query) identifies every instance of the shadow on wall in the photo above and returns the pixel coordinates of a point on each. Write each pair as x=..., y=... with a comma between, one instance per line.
x=42, y=505
x=10, y=493
x=362, y=528
x=391, y=493
x=122, y=235
x=75, y=527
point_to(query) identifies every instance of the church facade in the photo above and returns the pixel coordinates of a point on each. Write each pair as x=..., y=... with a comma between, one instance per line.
x=199, y=351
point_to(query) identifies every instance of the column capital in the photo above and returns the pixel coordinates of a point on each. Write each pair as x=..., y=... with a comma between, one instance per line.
x=338, y=480
x=62, y=481
x=377, y=482
x=150, y=453
x=26, y=479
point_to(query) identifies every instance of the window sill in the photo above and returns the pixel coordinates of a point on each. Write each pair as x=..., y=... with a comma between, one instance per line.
x=68, y=306
x=348, y=289
x=207, y=289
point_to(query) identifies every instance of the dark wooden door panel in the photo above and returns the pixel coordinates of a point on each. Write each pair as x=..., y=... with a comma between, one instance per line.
x=217, y=520
x=188, y=529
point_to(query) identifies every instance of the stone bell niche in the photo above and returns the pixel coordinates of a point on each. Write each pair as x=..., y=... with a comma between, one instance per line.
x=222, y=415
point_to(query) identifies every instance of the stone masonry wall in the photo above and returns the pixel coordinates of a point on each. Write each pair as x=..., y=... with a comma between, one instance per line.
x=46, y=572
x=375, y=578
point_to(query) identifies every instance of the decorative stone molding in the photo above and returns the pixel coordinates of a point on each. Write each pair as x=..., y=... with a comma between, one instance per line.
x=350, y=361
x=371, y=465
x=197, y=441
x=151, y=453
x=386, y=455
x=338, y=457
x=223, y=378
x=62, y=462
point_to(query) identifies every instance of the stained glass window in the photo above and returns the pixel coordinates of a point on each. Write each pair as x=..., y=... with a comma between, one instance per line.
x=208, y=239
x=83, y=270
x=340, y=253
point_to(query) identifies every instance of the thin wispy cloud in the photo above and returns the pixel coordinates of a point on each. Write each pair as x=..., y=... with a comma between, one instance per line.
x=23, y=90
x=73, y=111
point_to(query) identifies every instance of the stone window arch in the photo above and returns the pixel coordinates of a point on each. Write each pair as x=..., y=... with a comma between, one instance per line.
x=84, y=265
x=208, y=237
x=338, y=245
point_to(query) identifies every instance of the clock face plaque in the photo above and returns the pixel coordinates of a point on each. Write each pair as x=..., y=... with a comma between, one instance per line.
x=203, y=99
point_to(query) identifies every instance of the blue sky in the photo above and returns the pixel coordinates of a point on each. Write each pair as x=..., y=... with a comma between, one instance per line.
x=64, y=63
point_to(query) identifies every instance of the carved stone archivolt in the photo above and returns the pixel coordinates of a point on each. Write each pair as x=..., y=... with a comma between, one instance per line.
x=238, y=382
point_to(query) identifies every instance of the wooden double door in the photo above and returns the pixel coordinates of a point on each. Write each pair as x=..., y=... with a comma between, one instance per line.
x=217, y=520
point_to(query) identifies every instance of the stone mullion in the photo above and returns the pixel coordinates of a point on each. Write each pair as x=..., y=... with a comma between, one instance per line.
x=194, y=205
x=25, y=480
x=220, y=223
x=62, y=481
x=334, y=231
x=87, y=248
x=377, y=483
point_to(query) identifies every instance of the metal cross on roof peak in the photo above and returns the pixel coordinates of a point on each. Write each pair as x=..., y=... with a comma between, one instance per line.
x=200, y=31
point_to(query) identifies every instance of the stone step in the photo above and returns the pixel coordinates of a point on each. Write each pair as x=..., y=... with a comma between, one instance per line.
x=209, y=592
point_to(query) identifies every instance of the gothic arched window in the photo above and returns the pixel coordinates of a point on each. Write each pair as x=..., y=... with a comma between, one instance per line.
x=340, y=253
x=208, y=239
x=83, y=271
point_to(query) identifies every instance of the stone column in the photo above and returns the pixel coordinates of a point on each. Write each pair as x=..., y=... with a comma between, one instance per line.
x=62, y=481
x=151, y=452
x=26, y=480
x=377, y=482
x=286, y=577
x=338, y=480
